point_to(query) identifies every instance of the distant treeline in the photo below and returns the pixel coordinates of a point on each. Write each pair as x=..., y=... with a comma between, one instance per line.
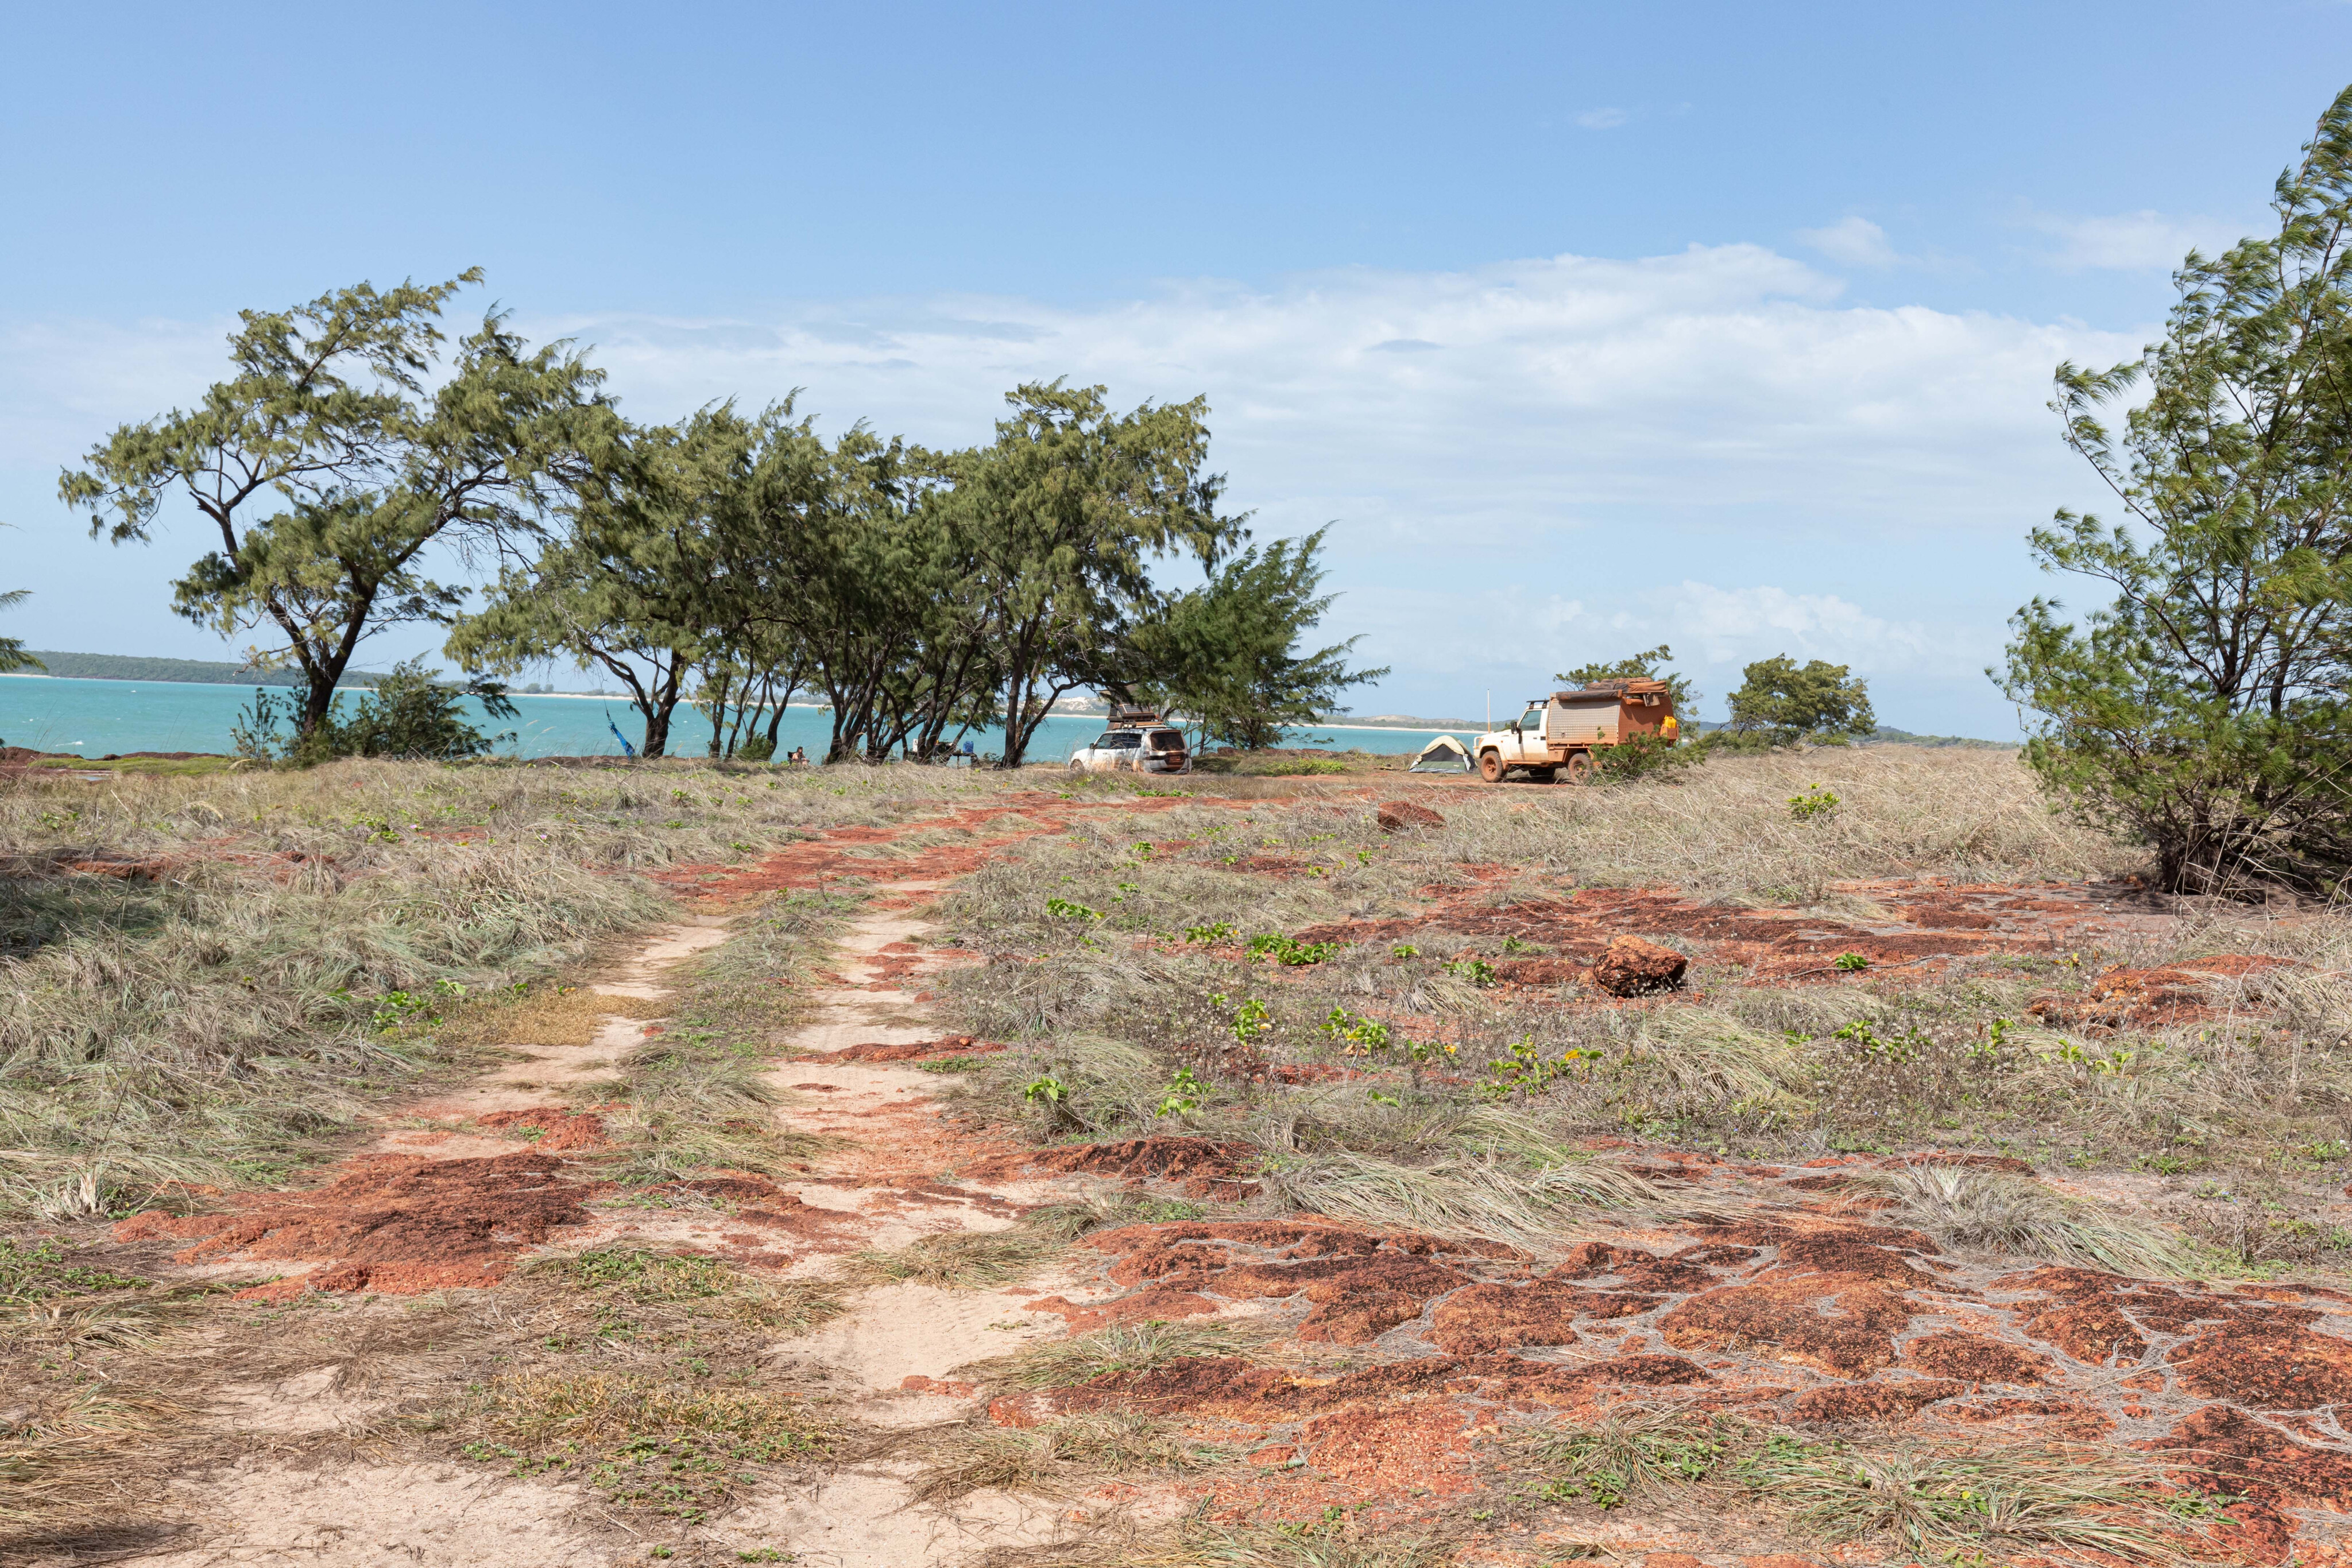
x=1884, y=736
x=210, y=672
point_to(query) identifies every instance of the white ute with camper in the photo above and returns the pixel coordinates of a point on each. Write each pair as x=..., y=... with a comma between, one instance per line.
x=1136, y=742
x=1559, y=736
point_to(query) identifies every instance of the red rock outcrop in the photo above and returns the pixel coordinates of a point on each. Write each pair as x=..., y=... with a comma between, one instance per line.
x=1634, y=967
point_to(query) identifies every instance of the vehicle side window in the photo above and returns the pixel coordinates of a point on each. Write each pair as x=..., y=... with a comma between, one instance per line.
x=1125, y=741
x=1105, y=739
x=1167, y=740
x=1533, y=720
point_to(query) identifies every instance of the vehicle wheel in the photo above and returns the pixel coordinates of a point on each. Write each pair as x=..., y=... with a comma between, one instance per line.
x=1490, y=766
x=1077, y=766
x=1578, y=769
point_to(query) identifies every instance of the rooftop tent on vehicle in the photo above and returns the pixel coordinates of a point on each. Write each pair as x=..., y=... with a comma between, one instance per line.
x=1444, y=755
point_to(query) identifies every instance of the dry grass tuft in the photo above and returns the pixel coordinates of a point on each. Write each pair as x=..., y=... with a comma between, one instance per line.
x=1725, y=830
x=677, y=1447
x=711, y=1287
x=1473, y=1200
x=69, y=1461
x=1292, y=1546
x=1628, y=1453
x=550, y=1015
x=957, y=1260
x=1198, y=1544
x=1998, y=1211
x=1110, y=1207
x=1054, y=1458
x=613, y=1410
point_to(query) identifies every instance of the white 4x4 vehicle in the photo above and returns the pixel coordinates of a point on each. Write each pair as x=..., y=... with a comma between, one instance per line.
x=1155, y=749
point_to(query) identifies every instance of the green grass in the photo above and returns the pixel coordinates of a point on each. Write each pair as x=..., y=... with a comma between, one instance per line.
x=1128, y=1347
x=1955, y=1503
x=34, y=1271
x=1627, y=1456
x=677, y=1448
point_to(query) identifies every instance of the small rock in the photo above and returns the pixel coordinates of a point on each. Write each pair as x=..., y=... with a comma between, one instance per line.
x=1634, y=968
x=1395, y=816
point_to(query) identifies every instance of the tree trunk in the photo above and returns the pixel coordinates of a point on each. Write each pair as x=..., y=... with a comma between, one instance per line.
x=776, y=719
x=718, y=714
x=660, y=702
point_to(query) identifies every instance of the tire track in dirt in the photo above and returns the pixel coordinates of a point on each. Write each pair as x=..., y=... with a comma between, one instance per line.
x=443, y=1197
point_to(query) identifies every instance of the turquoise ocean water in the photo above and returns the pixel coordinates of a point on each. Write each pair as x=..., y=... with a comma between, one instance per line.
x=92, y=719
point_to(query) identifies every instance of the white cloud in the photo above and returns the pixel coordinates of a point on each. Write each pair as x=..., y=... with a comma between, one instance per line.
x=1714, y=631
x=1465, y=408
x=1854, y=241
x=1735, y=626
x=2129, y=240
x=1601, y=118
x=1513, y=396
x=63, y=384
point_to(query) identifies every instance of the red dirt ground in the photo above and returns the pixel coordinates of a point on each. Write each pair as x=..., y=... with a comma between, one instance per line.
x=1794, y=1311
x=1805, y=1317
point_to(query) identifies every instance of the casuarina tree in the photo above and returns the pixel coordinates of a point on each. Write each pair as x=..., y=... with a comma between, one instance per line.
x=1227, y=657
x=340, y=450
x=1062, y=517
x=2202, y=708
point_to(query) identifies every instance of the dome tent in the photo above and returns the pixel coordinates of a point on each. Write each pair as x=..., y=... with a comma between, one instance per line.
x=1444, y=755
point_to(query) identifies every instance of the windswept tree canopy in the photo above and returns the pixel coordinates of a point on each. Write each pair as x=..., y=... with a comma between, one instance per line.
x=340, y=449
x=1780, y=703
x=1227, y=655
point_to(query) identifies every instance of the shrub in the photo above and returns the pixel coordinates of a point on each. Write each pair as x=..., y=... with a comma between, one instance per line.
x=1645, y=756
x=1816, y=801
x=408, y=714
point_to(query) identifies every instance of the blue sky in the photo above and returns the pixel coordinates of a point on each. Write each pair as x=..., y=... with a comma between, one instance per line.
x=1589, y=325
